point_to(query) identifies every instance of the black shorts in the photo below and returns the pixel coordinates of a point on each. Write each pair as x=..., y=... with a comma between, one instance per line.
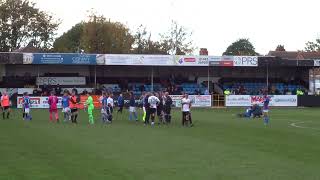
x=74, y=110
x=5, y=107
x=153, y=110
x=159, y=111
x=184, y=114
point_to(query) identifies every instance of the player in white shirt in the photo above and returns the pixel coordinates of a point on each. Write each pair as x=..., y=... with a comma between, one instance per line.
x=186, y=106
x=101, y=97
x=111, y=102
x=153, y=101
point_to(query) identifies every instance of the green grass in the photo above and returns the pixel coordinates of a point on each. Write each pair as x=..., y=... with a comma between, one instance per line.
x=220, y=146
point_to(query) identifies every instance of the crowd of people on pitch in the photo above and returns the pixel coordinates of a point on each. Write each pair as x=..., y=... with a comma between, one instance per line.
x=256, y=111
x=153, y=105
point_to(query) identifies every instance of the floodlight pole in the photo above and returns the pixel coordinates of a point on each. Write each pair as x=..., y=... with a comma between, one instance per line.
x=152, y=79
x=267, y=76
x=95, y=76
x=208, y=79
x=38, y=76
x=314, y=80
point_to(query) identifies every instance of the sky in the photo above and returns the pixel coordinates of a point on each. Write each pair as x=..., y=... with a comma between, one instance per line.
x=215, y=23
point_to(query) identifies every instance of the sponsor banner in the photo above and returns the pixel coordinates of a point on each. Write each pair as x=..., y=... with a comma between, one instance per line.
x=66, y=59
x=143, y=60
x=176, y=100
x=37, y=102
x=42, y=102
x=79, y=90
x=246, y=61
x=275, y=100
x=192, y=60
x=226, y=61
x=316, y=62
x=238, y=100
x=10, y=58
x=229, y=61
x=196, y=100
x=61, y=80
x=23, y=90
x=10, y=91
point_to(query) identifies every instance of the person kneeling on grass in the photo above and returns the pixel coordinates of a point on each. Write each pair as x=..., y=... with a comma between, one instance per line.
x=53, y=108
x=256, y=111
x=90, y=106
x=26, y=107
x=246, y=114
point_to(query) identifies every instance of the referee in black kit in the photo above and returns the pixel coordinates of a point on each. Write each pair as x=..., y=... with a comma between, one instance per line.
x=167, y=107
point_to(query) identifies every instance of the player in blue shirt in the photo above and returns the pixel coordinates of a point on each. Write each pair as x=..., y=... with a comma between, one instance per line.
x=65, y=106
x=26, y=103
x=266, y=101
x=104, y=108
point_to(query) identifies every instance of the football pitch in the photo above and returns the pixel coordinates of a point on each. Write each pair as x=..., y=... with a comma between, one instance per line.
x=220, y=146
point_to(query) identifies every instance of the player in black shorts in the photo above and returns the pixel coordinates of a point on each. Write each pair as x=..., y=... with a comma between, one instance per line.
x=160, y=108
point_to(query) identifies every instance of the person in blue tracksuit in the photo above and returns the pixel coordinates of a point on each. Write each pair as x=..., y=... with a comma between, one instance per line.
x=65, y=106
x=120, y=103
x=26, y=104
x=266, y=101
x=132, y=108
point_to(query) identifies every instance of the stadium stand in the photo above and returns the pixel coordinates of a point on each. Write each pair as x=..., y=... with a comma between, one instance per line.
x=257, y=86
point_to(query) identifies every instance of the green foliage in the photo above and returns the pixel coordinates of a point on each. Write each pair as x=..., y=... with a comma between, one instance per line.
x=144, y=45
x=280, y=48
x=70, y=41
x=178, y=40
x=21, y=23
x=313, y=46
x=102, y=36
x=242, y=47
x=97, y=35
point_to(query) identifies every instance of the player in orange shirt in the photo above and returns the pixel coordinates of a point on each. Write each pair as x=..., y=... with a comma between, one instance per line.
x=5, y=104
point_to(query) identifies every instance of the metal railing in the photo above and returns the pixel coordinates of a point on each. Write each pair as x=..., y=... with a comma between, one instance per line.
x=218, y=100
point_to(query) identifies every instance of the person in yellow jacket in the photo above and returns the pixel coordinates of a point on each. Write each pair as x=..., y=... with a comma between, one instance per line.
x=300, y=92
x=227, y=92
x=5, y=104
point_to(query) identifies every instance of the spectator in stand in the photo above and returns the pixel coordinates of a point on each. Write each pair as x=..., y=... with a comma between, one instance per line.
x=85, y=92
x=142, y=88
x=176, y=92
x=75, y=90
x=35, y=92
x=58, y=90
x=286, y=90
x=206, y=92
x=44, y=93
x=45, y=88
x=196, y=92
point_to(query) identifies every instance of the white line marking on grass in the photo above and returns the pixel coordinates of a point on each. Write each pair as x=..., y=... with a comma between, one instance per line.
x=297, y=125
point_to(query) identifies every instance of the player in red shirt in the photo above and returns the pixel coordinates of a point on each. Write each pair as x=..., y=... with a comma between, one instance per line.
x=53, y=108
